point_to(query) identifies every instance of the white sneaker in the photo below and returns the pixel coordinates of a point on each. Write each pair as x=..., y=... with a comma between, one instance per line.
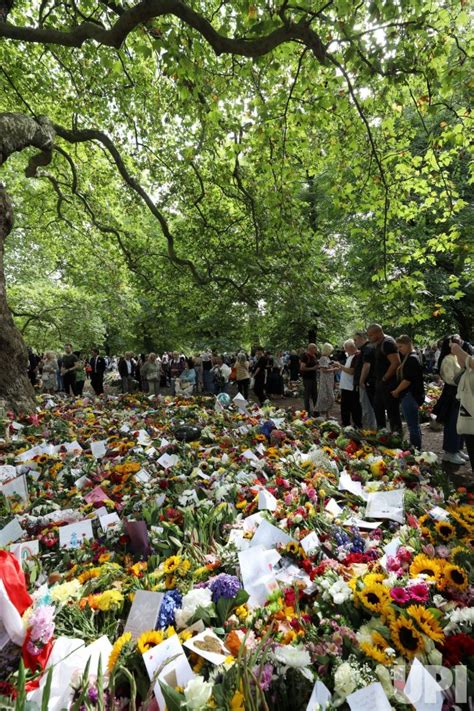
x=452, y=458
x=463, y=455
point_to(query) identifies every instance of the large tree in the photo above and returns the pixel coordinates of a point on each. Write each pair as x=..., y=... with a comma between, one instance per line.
x=244, y=145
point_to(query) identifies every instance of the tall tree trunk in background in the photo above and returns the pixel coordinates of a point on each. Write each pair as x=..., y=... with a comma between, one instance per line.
x=15, y=387
x=16, y=133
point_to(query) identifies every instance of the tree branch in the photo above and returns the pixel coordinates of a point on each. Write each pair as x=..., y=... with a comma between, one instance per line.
x=148, y=10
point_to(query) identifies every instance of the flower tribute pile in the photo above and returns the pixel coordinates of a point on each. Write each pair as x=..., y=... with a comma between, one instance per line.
x=179, y=553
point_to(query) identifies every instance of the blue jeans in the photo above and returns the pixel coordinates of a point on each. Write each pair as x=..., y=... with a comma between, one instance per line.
x=452, y=442
x=410, y=410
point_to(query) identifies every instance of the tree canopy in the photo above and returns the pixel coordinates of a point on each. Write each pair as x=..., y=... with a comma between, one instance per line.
x=228, y=172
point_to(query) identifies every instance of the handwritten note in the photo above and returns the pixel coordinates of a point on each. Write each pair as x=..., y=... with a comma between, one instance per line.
x=371, y=697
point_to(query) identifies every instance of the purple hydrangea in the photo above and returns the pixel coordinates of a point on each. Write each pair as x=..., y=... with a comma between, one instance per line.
x=171, y=601
x=224, y=585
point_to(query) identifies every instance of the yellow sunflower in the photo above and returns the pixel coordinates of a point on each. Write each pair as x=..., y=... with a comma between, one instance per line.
x=445, y=530
x=427, y=622
x=89, y=575
x=149, y=639
x=184, y=566
x=375, y=597
x=292, y=547
x=117, y=650
x=171, y=564
x=431, y=567
x=406, y=637
x=454, y=577
x=376, y=653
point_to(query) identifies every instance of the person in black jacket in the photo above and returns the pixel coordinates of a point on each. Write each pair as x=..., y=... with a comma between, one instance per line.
x=126, y=369
x=97, y=369
x=410, y=388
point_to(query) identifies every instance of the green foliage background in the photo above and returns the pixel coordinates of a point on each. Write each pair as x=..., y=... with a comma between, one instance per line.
x=302, y=193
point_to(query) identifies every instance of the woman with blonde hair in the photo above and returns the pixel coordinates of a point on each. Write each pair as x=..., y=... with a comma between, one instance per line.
x=48, y=373
x=410, y=388
x=325, y=399
x=150, y=372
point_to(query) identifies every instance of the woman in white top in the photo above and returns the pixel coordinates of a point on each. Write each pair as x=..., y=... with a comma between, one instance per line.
x=350, y=405
x=447, y=407
x=242, y=374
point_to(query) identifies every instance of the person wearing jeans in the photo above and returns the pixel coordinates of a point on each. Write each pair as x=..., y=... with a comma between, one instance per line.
x=410, y=388
x=386, y=363
x=308, y=367
x=465, y=395
x=450, y=371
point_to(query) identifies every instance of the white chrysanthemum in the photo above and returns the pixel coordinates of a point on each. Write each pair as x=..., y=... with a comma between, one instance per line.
x=295, y=657
x=197, y=597
x=460, y=617
x=427, y=457
x=197, y=693
x=340, y=592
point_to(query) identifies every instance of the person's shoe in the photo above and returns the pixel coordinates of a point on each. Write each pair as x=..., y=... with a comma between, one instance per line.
x=453, y=458
x=463, y=455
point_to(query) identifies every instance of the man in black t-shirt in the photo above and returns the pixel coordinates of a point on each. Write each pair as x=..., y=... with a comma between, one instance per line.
x=68, y=369
x=364, y=379
x=308, y=367
x=386, y=362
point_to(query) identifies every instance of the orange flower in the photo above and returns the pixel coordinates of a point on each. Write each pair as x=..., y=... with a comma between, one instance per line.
x=233, y=642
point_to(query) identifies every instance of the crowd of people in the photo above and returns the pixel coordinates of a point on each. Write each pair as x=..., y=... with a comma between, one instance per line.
x=379, y=379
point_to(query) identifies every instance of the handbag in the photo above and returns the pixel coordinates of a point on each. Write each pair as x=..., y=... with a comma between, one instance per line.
x=445, y=402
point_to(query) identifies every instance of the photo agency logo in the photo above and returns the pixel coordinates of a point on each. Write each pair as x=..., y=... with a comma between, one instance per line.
x=427, y=686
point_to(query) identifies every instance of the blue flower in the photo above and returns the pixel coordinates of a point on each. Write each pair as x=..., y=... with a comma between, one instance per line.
x=171, y=601
x=224, y=586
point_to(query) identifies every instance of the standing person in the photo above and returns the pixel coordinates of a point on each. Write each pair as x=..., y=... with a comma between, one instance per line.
x=199, y=372
x=294, y=366
x=176, y=367
x=150, y=371
x=242, y=374
x=207, y=378
x=308, y=368
x=97, y=369
x=126, y=369
x=350, y=405
x=410, y=388
x=48, y=373
x=275, y=384
x=259, y=373
x=327, y=369
x=387, y=360
x=80, y=374
x=465, y=395
x=221, y=373
x=447, y=407
x=364, y=379
x=68, y=369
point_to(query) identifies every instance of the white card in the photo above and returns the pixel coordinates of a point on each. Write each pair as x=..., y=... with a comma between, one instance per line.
x=143, y=438
x=372, y=697
x=360, y=523
x=268, y=536
x=168, y=460
x=439, y=514
x=208, y=635
x=144, y=612
x=354, y=487
x=74, y=534
x=7, y=472
x=143, y=476
x=99, y=449
x=310, y=542
x=16, y=487
x=258, y=577
x=164, y=442
x=10, y=533
x=82, y=482
x=124, y=429
x=26, y=550
x=109, y=521
x=386, y=504
x=248, y=454
x=266, y=501
x=422, y=690
x=176, y=672
x=320, y=697
x=333, y=508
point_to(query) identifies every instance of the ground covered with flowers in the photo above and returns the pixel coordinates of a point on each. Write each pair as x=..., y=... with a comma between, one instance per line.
x=297, y=563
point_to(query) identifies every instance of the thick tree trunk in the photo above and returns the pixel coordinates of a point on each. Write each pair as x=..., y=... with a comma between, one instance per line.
x=15, y=387
x=16, y=133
